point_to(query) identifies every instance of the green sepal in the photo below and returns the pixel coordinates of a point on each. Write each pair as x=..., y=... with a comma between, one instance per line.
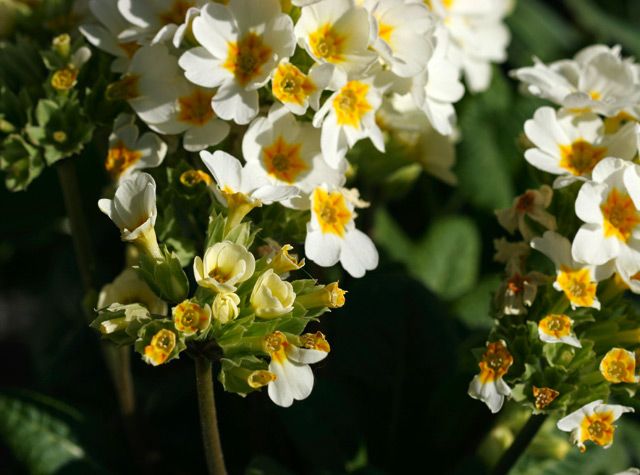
x=149, y=330
x=235, y=372
x=121, y=323
x=215, y=229
x=165, y=277
x=21, y=162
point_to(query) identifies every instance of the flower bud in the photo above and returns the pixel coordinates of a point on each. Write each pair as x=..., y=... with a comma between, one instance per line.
x=225, y=307
x=282, y=262
x=271, y=296
x=330, y=296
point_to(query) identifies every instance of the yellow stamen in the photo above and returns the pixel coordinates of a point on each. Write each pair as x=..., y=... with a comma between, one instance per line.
x=283, y=161
x=328, y=44
x=196, y=108
x=260, y=378
x=597, y=428
x=620, y=215
x=161, y=346
x=495, y=363
x=331, y=210
x=351, y=103
x=291, y=85
x=65, y=78
x=276, y=345
x=619, y=366
x=246, y=58
x=558, y=326
x=120, y=158
x=189, y=317
x=581, y=157
x=315, y=341
x=577, y=285
x=544, y=396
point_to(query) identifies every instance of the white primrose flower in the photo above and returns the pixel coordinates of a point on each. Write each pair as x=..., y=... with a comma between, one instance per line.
x=296, y=90
x=241, y=45
x=113, y=33
x=437, y=88
x=556, y=328
x=577, y=280
x=224, y=266
x=478, y=36
x=290, y=365
x=332, y=235
x=133, y=210
x=177, y=33
x=629, y=471
x=348, y=116
x=609, y=207
x=128, y=288
x=157, y=91
x=571, y=146
x=597, y=79
x=337, y=32
x=129, y=152
x=488, y=386
x=593, y=422
x=531, y=204
x=403, y=35
x=285, y=152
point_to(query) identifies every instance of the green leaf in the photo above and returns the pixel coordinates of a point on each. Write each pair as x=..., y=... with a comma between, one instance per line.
x=473, y=308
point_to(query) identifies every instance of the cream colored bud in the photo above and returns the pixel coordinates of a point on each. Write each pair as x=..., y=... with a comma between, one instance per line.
x=224, y=266
x=271, y=296
x=330, y=296
x=283, y=262
x=225, y=307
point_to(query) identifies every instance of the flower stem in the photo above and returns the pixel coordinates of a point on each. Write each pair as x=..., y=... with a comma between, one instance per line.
x=209, y=417
x=519, y=445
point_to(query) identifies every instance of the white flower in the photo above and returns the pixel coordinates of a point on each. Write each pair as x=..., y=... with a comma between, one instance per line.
x=404, y=35
x=438, y=88
x=337, y=32
x=597, y=79
x=571, y=146
x=558, y=329
x=284, y=152
x=488, y=386
x=290, y=364
x=241, y=45
x=609, y=207
x=296, y=90
x=532, y=204
x=127, y=288
x=593, y=422
x=348, y=116
x=133, y=210
x=332, y=235
x=225, y=265
x=578, y=281
x=271, y=296
x=630, y=471
x=128, y=152
x=168, y=103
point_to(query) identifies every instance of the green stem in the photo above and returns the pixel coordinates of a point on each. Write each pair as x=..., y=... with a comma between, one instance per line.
x=209, y=417
x=519, y=445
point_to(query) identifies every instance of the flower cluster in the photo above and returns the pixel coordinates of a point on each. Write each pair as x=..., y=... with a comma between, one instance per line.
x=566, y=338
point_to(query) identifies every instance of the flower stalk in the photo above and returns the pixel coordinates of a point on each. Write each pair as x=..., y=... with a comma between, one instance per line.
x=511, y=456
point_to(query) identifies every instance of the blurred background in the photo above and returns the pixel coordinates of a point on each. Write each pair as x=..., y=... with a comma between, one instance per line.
x=392, y=396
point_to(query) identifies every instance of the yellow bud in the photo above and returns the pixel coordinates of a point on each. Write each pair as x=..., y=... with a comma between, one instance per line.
x=192, y=178
x=60, y=136
x=330, y=296
x=260, y=378
x=64, y=79
x=62, y=44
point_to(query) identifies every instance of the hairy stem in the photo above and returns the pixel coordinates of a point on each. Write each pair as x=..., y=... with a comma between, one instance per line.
x=209, y=417
x=519, y=445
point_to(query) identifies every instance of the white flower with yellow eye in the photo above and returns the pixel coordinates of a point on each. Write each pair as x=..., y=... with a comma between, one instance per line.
x=241, y=44
x=271, y=296
x=332, y=235
x=555, y=328
x=619, y=366
x=531, y=204
x=157, y=91
x=609, y=205
x=404, y=35
x=128, y=288
x=225, y=265
x=597, y=79
x=488, y=386
x=337, y=32
x=593, y=422
x=571, y=146
x=296, y=90
x=578, y=281
x=285, y=152
x=478, y=35
x=133, y=210
x=437, y=88
x=290, y=365
x=348, y=116
x=129, y=152
x=113, y=33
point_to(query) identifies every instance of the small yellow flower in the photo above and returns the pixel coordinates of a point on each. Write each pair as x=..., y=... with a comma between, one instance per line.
x=161, y=346
x=619, y=366
x=544, y=396
x=331, y=296
x=189, y=317
x=260, y=378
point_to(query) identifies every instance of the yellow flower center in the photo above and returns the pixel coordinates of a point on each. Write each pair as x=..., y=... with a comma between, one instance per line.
x=328, y=44
x=196, y=108
x=275, y=344
x=315, y=341
x=445, y=3
x=59, y=136
x=291, y=85
x=260, y=378
x=64, y=79
x=124, y=89
x=544, y=396
x=161, y=346
x=615, y=123
x=495, y=363
x=176, y=13
x=331, y=210
x=619, y=366
x=219, y=275
x=246, y=57
x=129, y=48
x=192, y=178
x=283, y=161
x=577, y=286
x=351, y=103
x=190, y=317
x=558, y=326
x=385, y=31
x=598, y=428
x=581, y=157
x=120, y=158
x=620, y=215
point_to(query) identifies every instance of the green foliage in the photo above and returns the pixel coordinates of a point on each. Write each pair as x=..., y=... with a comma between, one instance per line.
x=165, y=277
